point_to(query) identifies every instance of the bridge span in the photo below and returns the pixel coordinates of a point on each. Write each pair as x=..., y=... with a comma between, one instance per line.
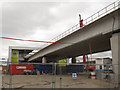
x=100, y=33
x=92, y=38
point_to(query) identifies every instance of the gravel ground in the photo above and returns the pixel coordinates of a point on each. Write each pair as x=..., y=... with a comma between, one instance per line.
x=45, y=81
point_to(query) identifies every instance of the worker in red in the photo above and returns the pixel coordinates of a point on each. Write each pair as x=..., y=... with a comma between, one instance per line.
x=81, y=21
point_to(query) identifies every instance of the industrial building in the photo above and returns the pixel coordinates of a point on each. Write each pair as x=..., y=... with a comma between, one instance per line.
x=18, y=54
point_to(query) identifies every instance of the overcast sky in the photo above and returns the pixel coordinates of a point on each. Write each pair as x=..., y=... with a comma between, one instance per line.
x=42, y=20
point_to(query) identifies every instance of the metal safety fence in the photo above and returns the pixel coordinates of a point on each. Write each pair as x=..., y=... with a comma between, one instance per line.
x=59, y=75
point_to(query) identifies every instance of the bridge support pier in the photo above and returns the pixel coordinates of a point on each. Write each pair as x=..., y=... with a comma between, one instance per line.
x=44, y=60
x=115, y=47
x=73, y=60
x=84, y=59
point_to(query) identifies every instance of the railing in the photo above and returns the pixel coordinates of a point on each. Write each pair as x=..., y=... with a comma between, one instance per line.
x=108, y=9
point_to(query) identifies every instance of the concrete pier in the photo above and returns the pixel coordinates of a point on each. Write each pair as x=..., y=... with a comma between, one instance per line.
x=73, y=60
x=44, y=60
x=115, y=47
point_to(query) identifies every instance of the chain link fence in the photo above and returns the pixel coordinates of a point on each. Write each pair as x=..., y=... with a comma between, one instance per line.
x=57, y=75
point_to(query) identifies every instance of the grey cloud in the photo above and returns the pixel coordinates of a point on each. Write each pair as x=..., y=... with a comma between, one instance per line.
x=24, y=17
x=20, y=19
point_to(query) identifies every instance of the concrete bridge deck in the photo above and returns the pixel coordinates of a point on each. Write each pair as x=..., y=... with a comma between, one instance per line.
x=94, y=37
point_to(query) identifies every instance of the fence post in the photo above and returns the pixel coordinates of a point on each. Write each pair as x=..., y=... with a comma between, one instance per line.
x=114, y=76
x=60, y=76
x=10, y=82
x=54, y=76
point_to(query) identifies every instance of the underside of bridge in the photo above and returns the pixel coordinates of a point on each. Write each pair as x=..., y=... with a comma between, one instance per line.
x=93, y=45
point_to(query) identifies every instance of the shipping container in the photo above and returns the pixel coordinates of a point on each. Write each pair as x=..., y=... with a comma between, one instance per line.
x=74, y=68
x=44, y=68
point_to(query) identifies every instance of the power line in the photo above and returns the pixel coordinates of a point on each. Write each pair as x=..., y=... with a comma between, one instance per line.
x=18, y=39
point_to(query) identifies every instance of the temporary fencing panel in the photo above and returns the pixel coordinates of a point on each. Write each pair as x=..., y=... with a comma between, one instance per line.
x=54, y=75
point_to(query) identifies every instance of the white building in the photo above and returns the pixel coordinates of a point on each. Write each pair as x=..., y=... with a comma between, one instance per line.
x=17, y=53
x=103, y=63
x=3, y=61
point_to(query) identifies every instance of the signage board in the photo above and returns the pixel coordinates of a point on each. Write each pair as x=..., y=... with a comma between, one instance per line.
x=62, y=62
x=74, y=75
x=14, y=56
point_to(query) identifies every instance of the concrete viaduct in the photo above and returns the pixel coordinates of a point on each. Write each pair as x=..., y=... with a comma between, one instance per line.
x=101, y=35
x=94, y=37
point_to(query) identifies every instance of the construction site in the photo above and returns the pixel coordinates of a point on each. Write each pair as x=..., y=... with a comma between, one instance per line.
x=67, y=60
